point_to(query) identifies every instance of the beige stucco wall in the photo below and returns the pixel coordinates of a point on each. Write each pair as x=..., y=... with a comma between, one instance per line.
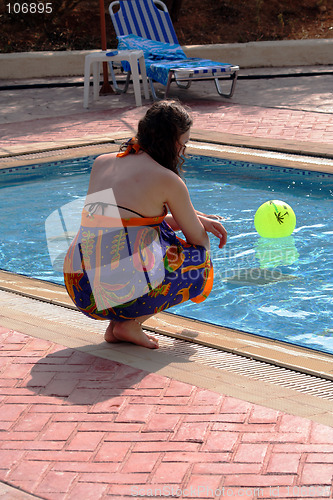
x=268, y=54
x=246, y=55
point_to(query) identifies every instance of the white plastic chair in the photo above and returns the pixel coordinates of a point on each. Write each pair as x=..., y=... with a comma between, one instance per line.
x=134, y=58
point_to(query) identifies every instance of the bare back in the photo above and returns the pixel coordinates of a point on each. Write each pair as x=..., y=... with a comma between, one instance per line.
x=136, y=182
x=139, y=183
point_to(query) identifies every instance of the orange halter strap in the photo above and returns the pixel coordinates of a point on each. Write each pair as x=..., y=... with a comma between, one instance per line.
x=132, y=148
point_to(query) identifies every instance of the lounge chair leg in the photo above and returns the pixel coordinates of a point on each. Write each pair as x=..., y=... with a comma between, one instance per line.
x=167, y=88
x=116, y=87
x=233, y=85
x=152, y=88
x=185, y=86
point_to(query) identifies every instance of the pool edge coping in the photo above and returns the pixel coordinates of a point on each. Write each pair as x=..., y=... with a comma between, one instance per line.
x=297, y=148
x=275, y=352
x=258, y=151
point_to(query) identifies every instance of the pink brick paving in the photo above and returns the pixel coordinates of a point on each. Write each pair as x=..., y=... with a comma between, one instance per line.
x=77, y=426
x=269, y=123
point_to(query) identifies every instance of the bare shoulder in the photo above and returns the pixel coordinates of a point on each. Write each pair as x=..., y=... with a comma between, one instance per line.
x=102, y=160
x=155, y=174
x=174, y=184
x=100, y=172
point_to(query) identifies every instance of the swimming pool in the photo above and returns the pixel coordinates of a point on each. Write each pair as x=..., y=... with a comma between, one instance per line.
x=280, y=289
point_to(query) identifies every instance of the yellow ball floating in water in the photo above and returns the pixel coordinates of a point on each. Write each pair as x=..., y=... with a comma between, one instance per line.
x=275, y=219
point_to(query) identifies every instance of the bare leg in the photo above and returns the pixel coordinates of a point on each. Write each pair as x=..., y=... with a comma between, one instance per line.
x=130, y=331
x=108, y=336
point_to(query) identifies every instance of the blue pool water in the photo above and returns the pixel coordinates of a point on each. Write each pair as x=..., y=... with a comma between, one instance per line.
x=280, y=288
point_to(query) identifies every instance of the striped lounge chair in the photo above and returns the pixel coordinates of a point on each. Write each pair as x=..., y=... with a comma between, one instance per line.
x=146, y=25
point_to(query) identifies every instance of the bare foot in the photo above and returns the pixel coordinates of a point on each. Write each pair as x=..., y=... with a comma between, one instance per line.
x=108, y=336
x=131, y=331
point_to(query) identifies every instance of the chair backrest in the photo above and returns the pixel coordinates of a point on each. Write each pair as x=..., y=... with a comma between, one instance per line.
x=143, y=18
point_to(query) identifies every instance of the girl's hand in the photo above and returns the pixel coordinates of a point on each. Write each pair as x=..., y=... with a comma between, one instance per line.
x=216, y=228
x=215, y=217
x=211, y=216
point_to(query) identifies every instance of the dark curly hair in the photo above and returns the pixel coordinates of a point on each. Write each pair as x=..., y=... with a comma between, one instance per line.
x=160, y=129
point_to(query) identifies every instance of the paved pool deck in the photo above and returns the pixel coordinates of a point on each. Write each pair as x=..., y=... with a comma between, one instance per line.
x=92, y=423
x=292, y=111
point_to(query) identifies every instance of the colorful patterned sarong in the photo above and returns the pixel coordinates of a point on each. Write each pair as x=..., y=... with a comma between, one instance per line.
x=120, y=269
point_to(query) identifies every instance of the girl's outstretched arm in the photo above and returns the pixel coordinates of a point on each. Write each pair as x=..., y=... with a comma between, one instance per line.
x=209, y=222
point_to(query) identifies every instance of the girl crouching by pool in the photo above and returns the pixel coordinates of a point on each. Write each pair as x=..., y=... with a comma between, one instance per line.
x=127, y=263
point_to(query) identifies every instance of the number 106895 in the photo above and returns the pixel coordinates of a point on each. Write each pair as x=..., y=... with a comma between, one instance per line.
x=29, y=8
